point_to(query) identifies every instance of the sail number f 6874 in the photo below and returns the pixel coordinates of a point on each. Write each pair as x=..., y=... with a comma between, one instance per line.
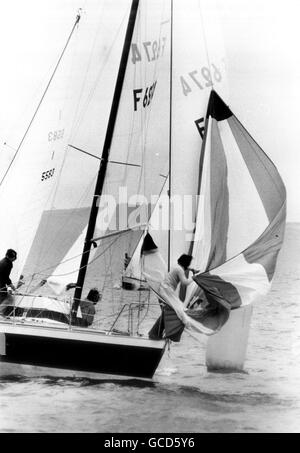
x=203, y=80
x=147, y=98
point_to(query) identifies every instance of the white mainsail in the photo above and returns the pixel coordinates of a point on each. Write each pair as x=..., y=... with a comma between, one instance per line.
x=140, y=140
x=28, y=183
x=198, y=65
x=101, y=37
x=65, y=140
x=138, y=156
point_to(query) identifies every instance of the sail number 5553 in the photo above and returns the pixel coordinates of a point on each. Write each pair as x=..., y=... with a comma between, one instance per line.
x=47, y=174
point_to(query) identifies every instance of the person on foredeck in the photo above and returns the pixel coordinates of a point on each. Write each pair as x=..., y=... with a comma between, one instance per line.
x=88, y=309
x=177, y=273
x=6, y=265
x=167, y=290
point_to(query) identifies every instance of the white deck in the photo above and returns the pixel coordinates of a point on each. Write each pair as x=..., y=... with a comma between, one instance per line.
x=61, y=331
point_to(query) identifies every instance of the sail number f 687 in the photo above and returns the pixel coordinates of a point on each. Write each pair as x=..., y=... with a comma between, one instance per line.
x=147, y=98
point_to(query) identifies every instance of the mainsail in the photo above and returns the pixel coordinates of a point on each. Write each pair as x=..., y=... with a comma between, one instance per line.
x=138, y=153
x=135, y=152
x=198, y=66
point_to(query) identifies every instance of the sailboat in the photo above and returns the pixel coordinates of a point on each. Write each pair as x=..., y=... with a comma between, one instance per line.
x=139, y=144
x=41, y=329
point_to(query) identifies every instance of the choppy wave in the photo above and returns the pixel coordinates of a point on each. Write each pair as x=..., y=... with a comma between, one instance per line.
x=183, y=396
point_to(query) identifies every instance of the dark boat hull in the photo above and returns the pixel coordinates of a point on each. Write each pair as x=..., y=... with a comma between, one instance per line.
x=79, y=350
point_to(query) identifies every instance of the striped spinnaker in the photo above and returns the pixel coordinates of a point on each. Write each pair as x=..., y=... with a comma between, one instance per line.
x=241, y=214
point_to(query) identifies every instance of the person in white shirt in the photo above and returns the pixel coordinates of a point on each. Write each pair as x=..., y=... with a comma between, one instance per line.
x=177, y=273
x=170, y=283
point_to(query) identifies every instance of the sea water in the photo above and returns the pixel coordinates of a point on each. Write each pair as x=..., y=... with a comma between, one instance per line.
x=182, y=397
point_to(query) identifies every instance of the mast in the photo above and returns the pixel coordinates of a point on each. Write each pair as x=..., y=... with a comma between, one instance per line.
x=105, y=155
x=182, y=291
x=170, y=140
x=201, y=162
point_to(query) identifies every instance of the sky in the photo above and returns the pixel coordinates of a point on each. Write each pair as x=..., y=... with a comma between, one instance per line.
x=261, y=39
x=263, y=67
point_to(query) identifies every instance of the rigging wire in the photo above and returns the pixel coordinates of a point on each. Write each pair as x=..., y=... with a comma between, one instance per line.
x=42, y=98
x=52, y=193
x=66, y=221
x=111, y=273
x=61, y=170
x=170, y=138
x=144, y=146
x=72, y=258
x=106, y=148
x=205, y=42
x=99, y=75
x=73, y=271
x=66, y=153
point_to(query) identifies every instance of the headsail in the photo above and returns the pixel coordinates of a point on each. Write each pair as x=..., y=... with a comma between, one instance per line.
x=198, y=66
x=242, y=209
x=99, y=45
x=28, y=184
